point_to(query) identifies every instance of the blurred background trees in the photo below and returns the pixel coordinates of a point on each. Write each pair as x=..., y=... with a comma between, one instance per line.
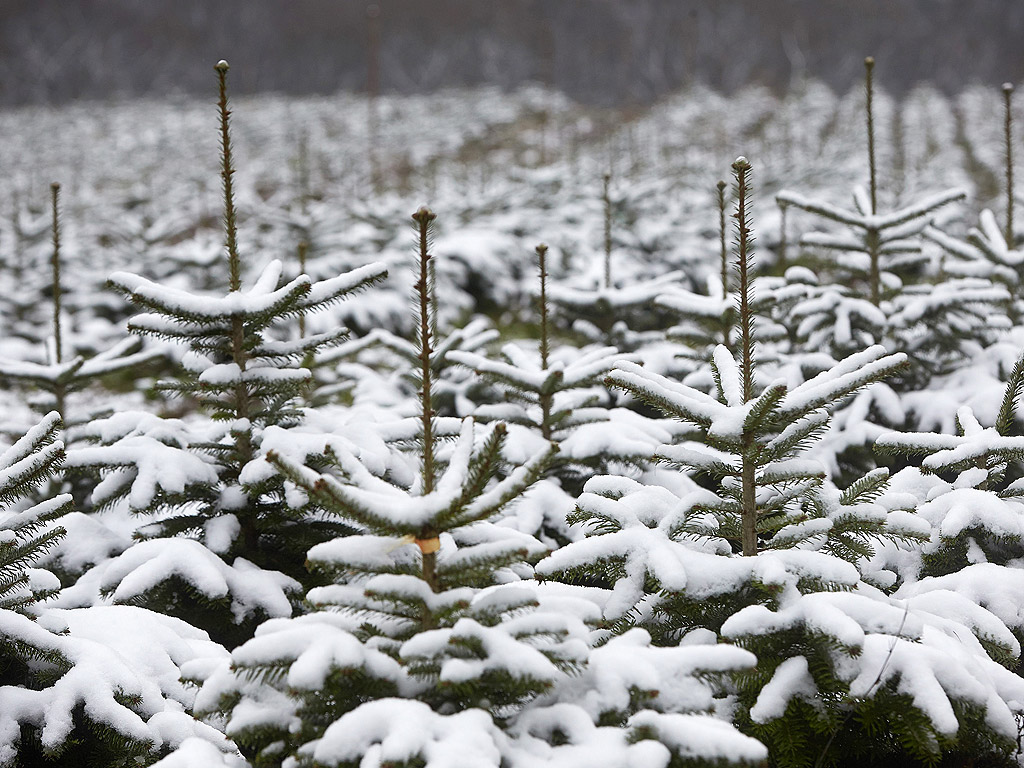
x=603, y=52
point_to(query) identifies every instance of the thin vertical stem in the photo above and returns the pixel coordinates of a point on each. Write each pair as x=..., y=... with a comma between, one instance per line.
x=373, y=89
x=238, y=352
x=1008, y=98
x=427, y=537
x=748, y=484
x=869, y=66
x=724, y=254
x=783, y=242
x=874, y=245
x=542, y=261
x=303, y=249
x=874, y=241
x=226, y=174
x=546, y=399
x=60, y=390
x=744, y=240
x=424, y=219
x=606, y=197
x=55, y=267
x=249, y=532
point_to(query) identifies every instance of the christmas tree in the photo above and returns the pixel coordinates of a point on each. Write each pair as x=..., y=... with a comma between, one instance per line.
x=202, y=482
x=429, y=642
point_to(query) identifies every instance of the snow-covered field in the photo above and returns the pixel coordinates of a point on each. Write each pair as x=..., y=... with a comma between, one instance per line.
x=267, y=558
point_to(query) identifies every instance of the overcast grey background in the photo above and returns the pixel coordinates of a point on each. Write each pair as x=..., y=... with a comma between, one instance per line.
x=598, y=51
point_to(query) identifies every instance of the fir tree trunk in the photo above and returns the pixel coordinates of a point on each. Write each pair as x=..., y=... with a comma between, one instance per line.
x=873, y=238
x=226, y=174
x=243, y=437
x=1008, y=130
x=874, y=276
x=749, y=500
x=606, y=198
x=724, y=252
x=428, y=537
x=59, y=389
x=424, y=219
x=243, y=440
x=427, y=543
x=869, y=66
x=546, y=399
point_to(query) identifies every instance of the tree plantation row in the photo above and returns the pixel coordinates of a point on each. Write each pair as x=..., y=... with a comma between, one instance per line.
x=598, y=460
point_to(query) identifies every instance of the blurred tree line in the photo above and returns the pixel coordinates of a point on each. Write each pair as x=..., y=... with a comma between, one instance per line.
x=598, y=51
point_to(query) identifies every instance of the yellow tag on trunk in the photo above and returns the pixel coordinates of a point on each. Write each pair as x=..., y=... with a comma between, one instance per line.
x=428, y=545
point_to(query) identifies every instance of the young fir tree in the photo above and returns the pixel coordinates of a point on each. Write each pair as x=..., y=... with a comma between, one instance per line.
x=23, y=263
x=991, y=251
x=979, y=518
x=559, y=396
x=705, y=321
x=557, y=393
x=752, y=440
x=192, y=481
x=607, y=311
x=51, y=382
x=673, y=566
x=937, y=325
x=880, y=265
x=427, y=648
x=67, y=699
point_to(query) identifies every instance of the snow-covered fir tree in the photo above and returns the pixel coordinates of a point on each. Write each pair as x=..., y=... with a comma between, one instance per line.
x=430, y=646
x=879, y=292
x=938, y=325
x=223, y=547
x=800, y=596
x=602, y=305
x=557, y=394
x=978, y=517
x=991, y=251
x=48, y=381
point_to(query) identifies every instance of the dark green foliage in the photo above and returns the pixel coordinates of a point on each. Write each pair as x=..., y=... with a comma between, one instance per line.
x=25, y=466
x=31, y=658
x=879, y=726
x=90, y=745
